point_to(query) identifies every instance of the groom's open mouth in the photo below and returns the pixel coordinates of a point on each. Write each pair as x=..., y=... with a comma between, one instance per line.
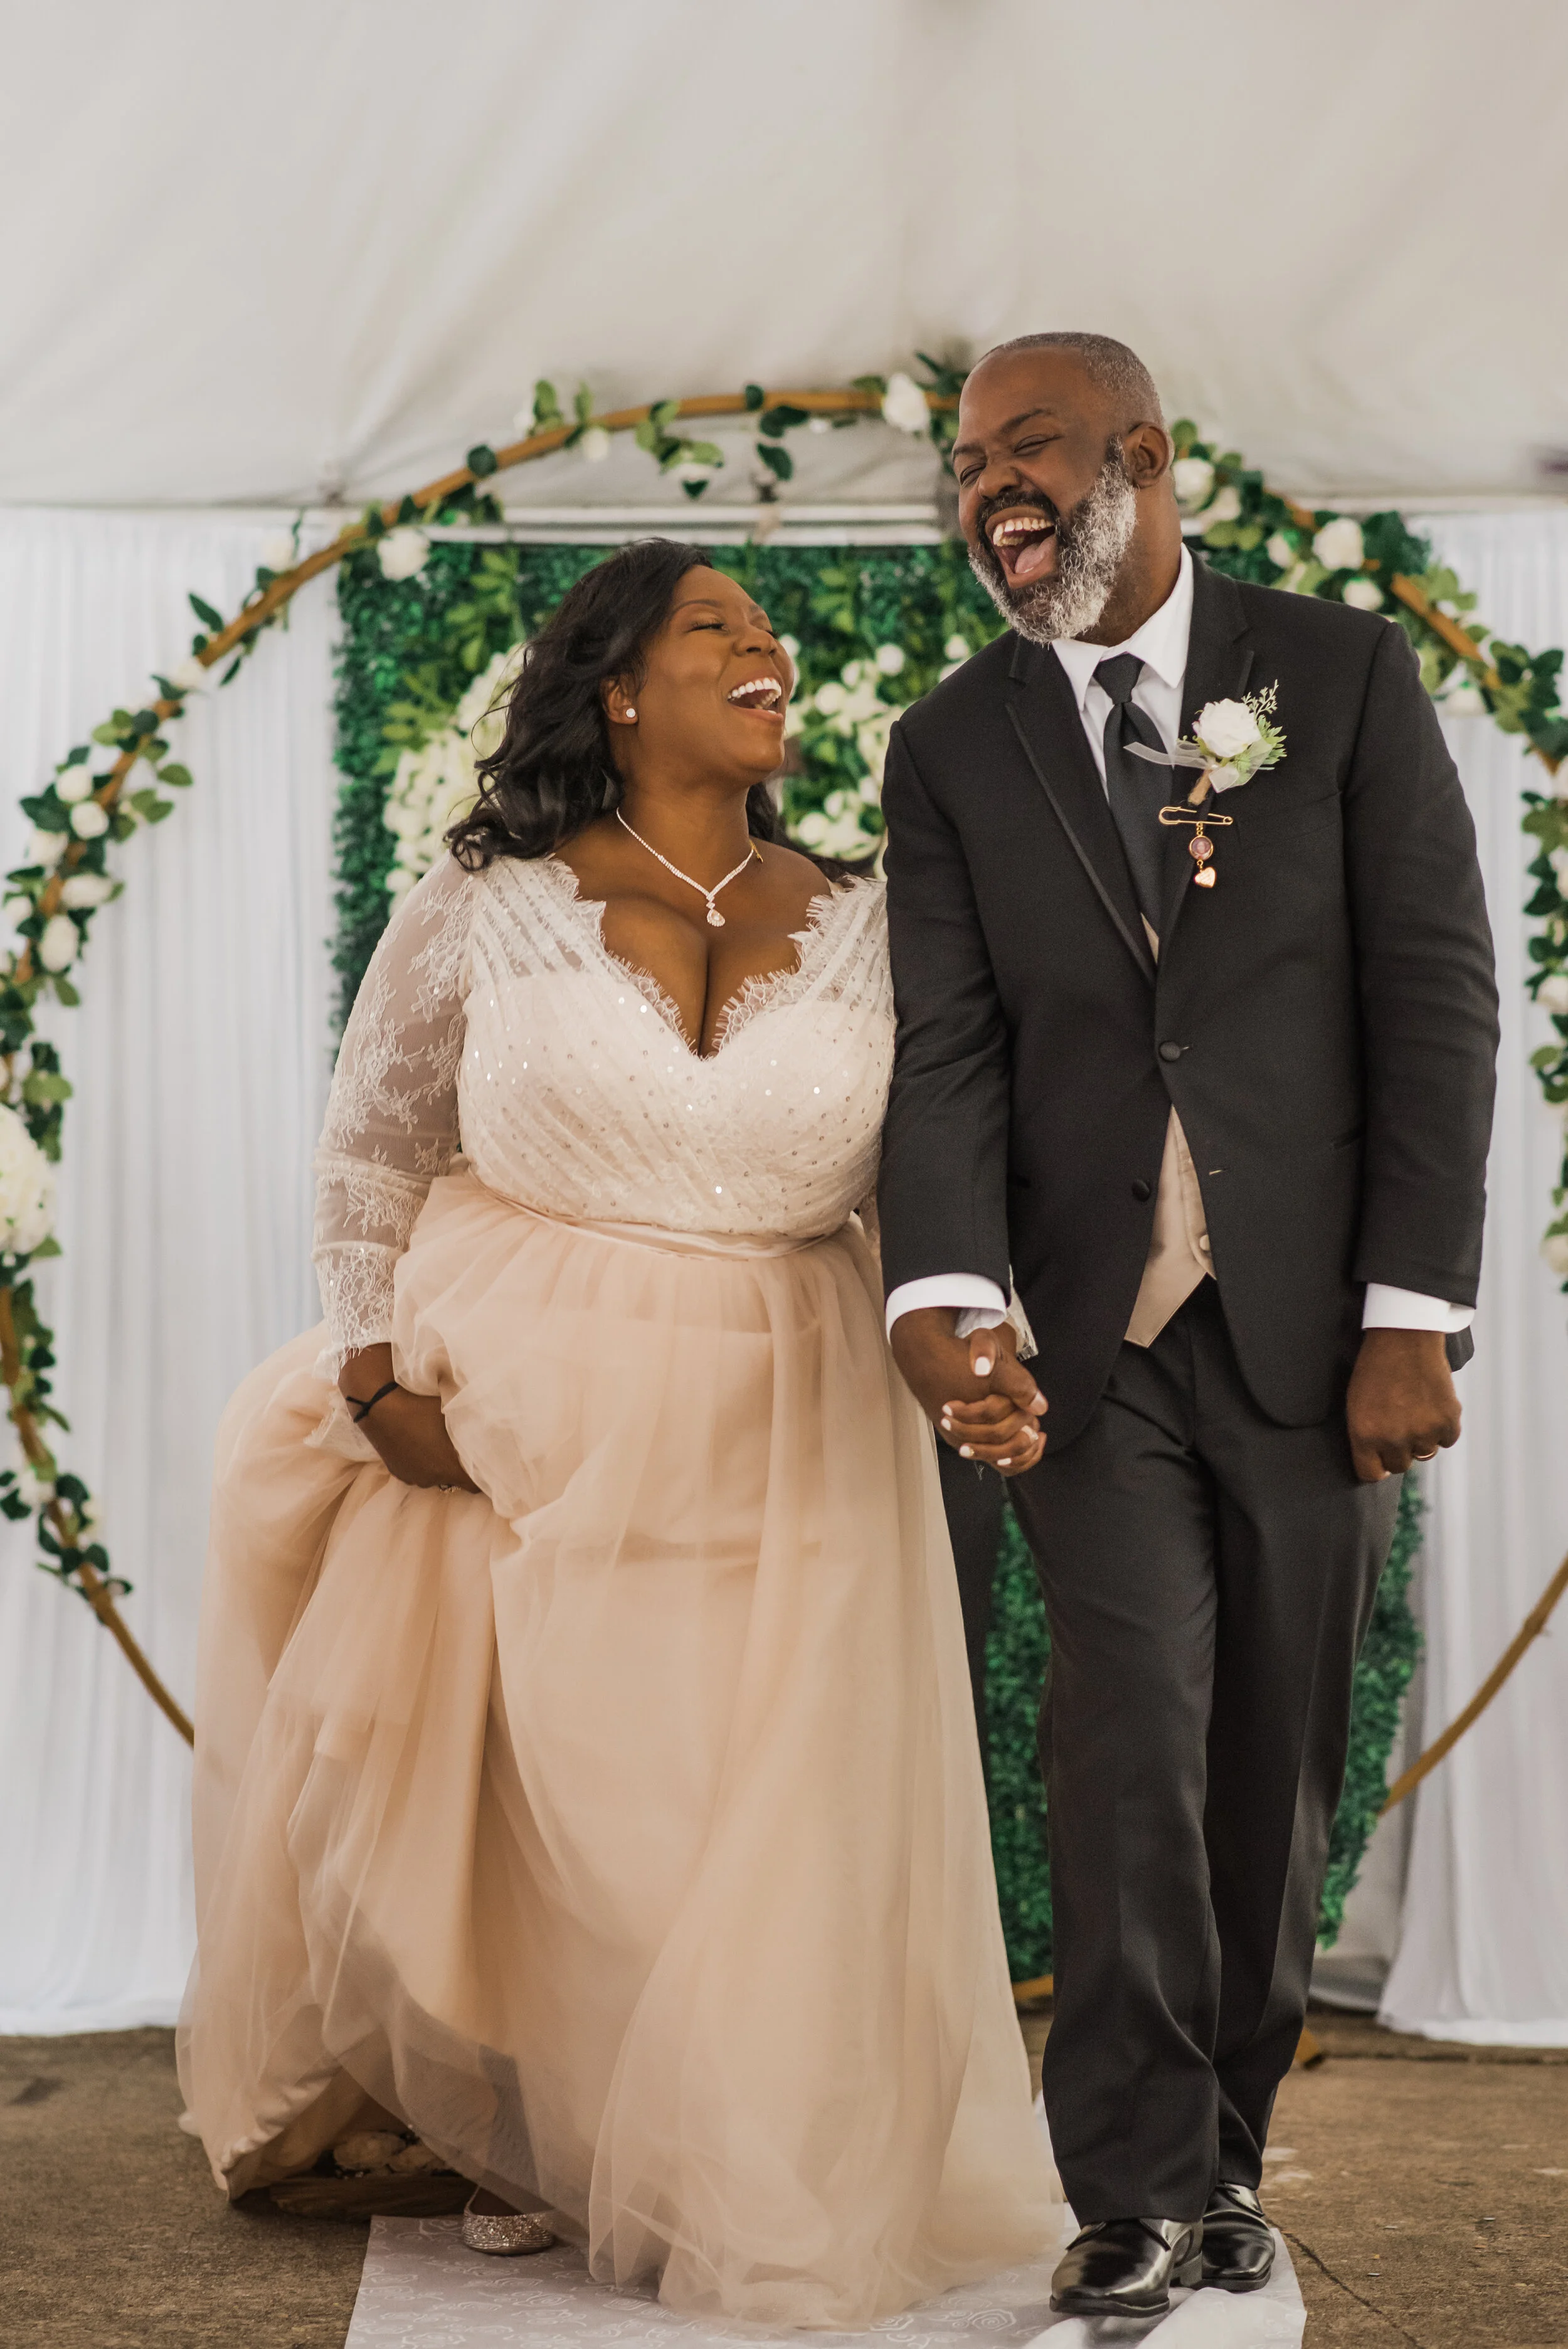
x=1021, y=538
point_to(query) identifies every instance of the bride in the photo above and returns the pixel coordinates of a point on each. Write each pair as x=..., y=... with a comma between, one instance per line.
x=587, y=1771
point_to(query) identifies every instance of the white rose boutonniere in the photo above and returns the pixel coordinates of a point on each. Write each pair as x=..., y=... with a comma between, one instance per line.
x=1235, y=740
x=1231, y=741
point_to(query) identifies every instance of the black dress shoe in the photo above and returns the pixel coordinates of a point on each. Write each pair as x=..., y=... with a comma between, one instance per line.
x=1238, y=2241
x=1126, y=2267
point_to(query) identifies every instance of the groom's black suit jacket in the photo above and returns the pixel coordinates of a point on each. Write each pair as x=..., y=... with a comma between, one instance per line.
x=1325, y=1019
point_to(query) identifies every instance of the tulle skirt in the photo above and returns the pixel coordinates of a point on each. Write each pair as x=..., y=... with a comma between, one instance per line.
x=621, y=1827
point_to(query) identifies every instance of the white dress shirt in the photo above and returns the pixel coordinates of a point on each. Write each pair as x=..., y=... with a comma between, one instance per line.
x=1161, y=643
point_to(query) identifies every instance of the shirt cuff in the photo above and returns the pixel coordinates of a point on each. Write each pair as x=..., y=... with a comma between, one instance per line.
x=980, y=1303
x=1406, y=1309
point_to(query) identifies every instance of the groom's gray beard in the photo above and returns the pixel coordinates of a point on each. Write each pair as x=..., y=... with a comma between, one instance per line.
x=1090, y=544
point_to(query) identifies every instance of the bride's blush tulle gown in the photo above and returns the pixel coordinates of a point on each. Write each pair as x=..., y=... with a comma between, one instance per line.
x=619, y=1827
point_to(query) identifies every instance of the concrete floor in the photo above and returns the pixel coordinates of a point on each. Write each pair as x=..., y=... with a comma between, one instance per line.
x=1423, y=2191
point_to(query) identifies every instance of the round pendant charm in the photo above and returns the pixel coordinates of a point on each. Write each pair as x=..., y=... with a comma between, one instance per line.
x=1205, y=876
x=1200, y=848
x=715, y=919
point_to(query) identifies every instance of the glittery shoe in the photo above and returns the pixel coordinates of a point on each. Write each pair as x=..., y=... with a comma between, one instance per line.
x=507, y=2234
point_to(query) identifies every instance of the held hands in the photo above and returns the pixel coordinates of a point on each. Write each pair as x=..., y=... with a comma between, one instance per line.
x=408, y=1430
x=1401, y=1405
x=983, y=1399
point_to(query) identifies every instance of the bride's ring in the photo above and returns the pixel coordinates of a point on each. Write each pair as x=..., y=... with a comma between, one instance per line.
x=1425, y=1456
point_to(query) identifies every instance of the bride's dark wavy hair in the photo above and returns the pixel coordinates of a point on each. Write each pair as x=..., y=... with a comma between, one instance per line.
x=554, y=772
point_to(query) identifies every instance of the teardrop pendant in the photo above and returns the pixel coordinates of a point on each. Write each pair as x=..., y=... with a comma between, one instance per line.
x=715, y=919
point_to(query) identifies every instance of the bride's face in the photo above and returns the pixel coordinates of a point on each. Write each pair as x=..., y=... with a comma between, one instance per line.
x=714, y=687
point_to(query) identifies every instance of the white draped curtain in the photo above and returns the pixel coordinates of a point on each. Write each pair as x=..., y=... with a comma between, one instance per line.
x=200, y=1056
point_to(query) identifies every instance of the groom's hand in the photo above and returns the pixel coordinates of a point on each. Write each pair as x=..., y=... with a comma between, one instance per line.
x=982, y=1399
x=1401, y=1405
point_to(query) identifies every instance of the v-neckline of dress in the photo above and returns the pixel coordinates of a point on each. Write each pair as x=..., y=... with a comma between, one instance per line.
x=755, y=994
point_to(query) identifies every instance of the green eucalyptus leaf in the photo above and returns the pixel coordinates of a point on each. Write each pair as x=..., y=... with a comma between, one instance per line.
x=204, y=612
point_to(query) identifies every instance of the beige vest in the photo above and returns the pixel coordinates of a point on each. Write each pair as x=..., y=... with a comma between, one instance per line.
x=1178, y=1257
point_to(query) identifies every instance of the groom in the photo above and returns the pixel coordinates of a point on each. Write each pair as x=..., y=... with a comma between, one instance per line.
x=1228, y=1144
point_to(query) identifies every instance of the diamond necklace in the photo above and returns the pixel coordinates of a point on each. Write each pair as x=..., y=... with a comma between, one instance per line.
x=715, y=918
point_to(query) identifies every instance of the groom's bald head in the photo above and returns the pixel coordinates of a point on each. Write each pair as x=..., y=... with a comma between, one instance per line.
x=1117, y=372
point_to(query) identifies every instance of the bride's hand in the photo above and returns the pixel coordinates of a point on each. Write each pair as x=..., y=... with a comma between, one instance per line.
x=408, y=1430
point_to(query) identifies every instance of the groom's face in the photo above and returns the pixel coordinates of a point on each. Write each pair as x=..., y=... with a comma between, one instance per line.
x=1044, y=496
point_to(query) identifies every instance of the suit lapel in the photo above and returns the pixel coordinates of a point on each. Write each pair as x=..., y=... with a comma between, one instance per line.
x=1219, y=662
x=1045, y=715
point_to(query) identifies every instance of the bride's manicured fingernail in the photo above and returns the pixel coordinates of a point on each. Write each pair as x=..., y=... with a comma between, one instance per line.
x=983, y=1367
x=947, y=1423
x=967, y=1452
x=1006, y=1464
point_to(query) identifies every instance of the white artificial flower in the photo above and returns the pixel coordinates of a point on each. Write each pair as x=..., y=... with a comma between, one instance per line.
x=1461, y=696
x=1554, y=1248
x=1280, y=551
x=75, y=783
x=1364, y=594
x=31, y=1487
x=1226, y=506
x=889, y=659
x=400, y=881
x=60, y=944
x=693, y=468
x=956, y=648
x=594, y=445
x=191, y=677
x=18, y=909
x=46, y=848
x=830, y=699
x=851, y=673
x=277, y=551
x=26, y=1188
x=870, y=740
x=403, y=553
x=903, y=404
x=84, y=890
x=1227, y=728
x=819, y=424
x=1553, y=994
x=1192, y=477
x=1338, y=545
x=89, y=820
x=792, y=647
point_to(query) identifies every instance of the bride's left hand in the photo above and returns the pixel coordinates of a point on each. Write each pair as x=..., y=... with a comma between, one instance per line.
x=409, y=1431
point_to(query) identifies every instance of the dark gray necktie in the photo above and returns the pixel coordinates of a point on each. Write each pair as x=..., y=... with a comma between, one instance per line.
x=1136, y=790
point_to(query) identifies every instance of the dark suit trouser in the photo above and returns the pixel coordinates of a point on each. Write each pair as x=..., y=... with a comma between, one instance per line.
x=1209, y=1578
x=973, y=1498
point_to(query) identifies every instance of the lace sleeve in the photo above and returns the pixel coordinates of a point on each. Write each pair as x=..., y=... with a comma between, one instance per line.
x=392, y=1116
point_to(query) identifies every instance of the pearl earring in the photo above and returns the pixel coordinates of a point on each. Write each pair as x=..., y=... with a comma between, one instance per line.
x=629, y=716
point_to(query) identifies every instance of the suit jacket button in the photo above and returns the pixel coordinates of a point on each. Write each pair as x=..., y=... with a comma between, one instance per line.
x=1142, y=1190
x=1171, y=1051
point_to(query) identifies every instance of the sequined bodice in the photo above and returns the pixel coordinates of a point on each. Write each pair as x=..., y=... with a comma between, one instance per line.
x=493, y=1019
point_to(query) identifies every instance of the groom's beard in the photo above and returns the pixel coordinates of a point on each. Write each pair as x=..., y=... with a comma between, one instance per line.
x=1091, y=541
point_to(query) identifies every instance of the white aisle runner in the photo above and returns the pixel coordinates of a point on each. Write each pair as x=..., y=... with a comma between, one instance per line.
x=421, y=2290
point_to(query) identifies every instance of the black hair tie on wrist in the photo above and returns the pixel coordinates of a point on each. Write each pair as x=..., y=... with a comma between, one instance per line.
x=364, y=1410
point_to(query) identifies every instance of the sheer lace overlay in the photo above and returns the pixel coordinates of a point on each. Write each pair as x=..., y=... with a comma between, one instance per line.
x=493, y=1020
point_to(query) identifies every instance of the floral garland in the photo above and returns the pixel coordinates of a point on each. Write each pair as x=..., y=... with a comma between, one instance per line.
x=95, y=796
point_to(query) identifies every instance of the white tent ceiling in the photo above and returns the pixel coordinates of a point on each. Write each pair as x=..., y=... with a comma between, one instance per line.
x=261, y=253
